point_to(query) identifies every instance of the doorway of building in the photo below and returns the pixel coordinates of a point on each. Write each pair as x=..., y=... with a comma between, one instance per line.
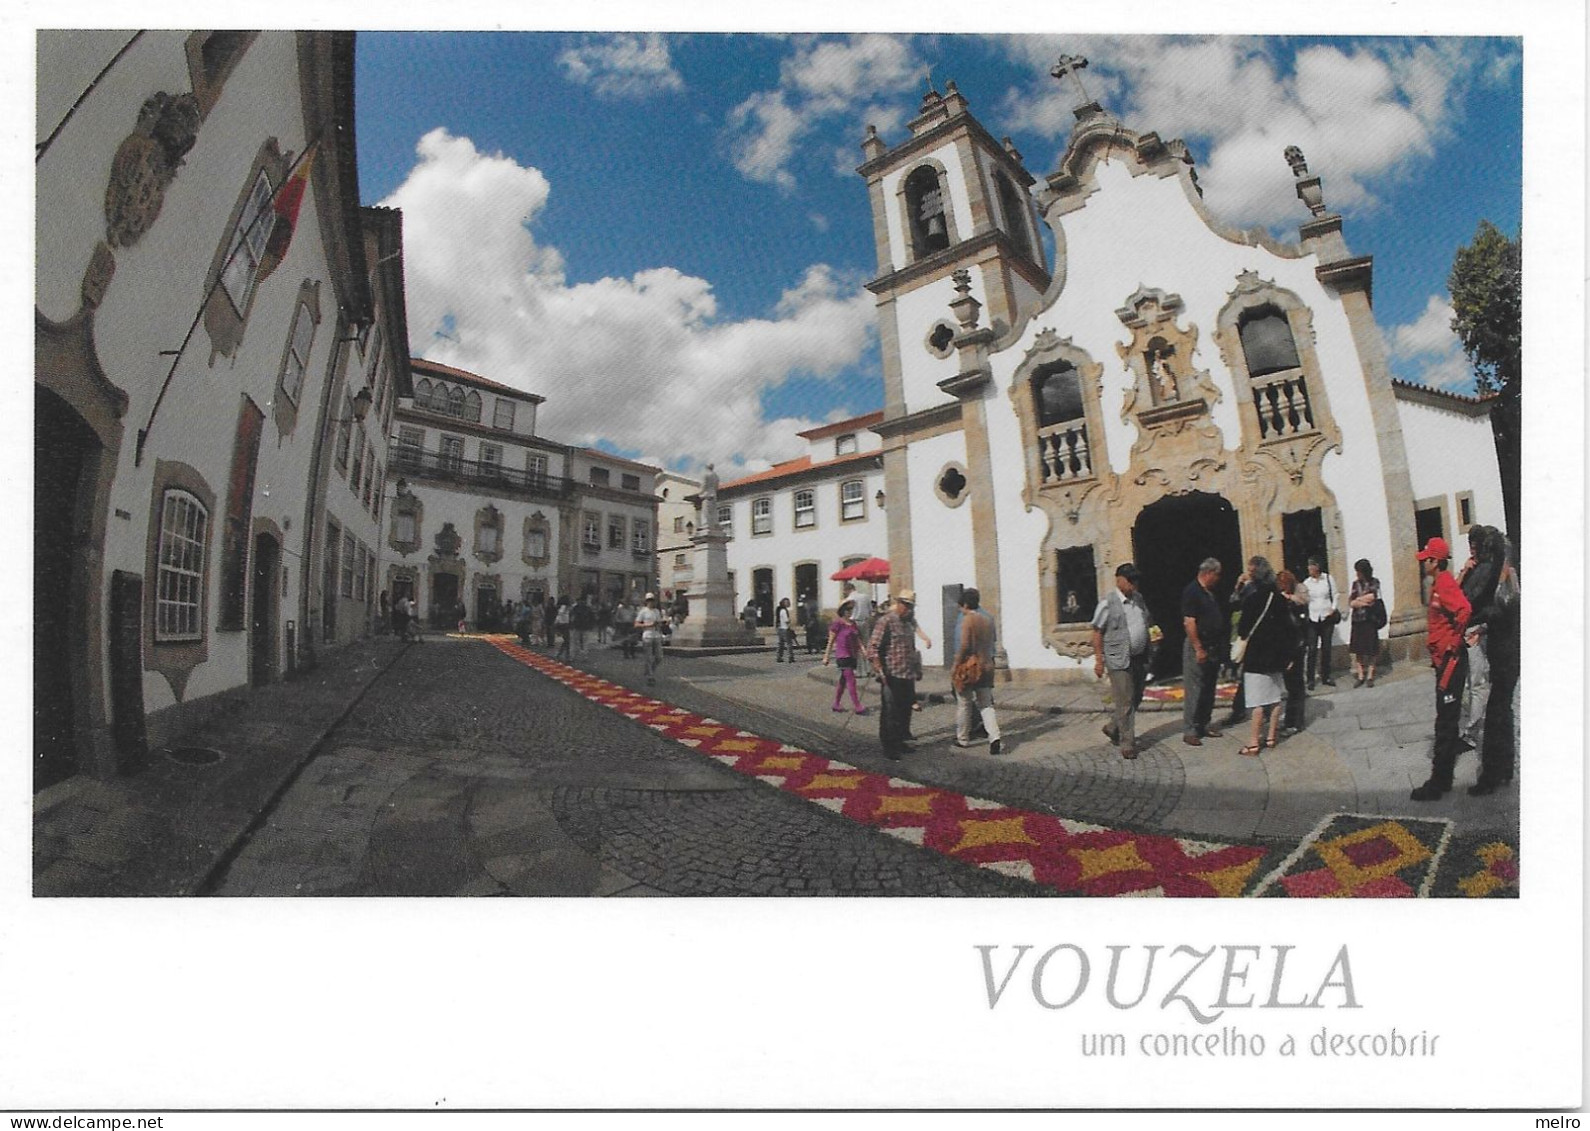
x=1169, y=539
x=486, y=608
x=762, y=586
x=950, y=608
x=444, y=600
x=1302, y=538
x=264, y=612
x=806, y=586
x=63, y=445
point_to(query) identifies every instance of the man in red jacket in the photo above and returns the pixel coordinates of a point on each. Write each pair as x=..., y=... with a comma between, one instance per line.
x=1449, y=616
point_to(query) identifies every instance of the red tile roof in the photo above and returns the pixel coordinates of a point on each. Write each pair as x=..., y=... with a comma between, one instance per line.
x=854, y=424
x=795, y=466
x=436, y=369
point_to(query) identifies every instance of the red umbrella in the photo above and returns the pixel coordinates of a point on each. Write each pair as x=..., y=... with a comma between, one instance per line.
x=873, y=569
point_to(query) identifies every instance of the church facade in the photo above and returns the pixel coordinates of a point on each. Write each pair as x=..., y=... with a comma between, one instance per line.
x=1170, y=389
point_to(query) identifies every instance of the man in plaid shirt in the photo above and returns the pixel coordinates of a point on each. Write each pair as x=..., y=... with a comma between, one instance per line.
x=892, y=650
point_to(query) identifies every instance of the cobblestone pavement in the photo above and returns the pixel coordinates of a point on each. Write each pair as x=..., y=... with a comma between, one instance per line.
x=462, y=773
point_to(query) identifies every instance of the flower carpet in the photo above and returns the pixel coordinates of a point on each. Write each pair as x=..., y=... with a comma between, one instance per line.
x=1346, y=856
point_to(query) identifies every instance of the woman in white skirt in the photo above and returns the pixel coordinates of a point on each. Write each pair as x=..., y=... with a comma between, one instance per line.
x=1268, y=640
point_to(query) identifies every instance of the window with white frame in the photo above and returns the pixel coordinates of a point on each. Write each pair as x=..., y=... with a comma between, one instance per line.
x=502, y=414
x=591, y=532
x=845, y=445
x=629, y=482
x=762, y=515
x=486, y=537
x=726, y=520
x=451, y=451
x=490, y=459
x=298, y=344
x=852, y=500
x=179, y=586
x=344, y=432
x=679, y=524
x=601, y=476
x=805, y=509
x=641, y=541
x=403, y=526
x=615, y=532
x=411, y=441
x=535, y=466
x=681, y=560
x=247, y=245
x=535, y=542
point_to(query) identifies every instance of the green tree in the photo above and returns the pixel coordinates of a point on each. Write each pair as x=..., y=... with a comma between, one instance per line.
x=1486, y=284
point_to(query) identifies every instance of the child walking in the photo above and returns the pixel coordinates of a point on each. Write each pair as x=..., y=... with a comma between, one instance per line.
x=844, y=643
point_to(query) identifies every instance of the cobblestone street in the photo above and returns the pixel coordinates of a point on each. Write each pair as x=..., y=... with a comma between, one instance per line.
x=462, y=771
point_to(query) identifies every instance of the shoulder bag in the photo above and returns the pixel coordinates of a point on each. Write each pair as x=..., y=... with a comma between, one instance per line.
x=1240, y=648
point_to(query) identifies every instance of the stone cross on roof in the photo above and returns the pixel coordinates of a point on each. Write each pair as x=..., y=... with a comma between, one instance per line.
x=1070, y=65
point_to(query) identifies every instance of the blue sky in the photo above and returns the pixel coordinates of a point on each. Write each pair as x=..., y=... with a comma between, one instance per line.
x=665, y=235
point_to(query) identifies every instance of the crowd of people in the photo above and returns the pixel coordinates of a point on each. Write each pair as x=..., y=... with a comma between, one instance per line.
x=1274, y=634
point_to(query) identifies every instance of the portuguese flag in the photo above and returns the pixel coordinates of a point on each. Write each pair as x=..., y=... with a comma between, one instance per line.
x=284, y=208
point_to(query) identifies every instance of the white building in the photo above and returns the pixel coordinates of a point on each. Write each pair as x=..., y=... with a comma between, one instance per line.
x=482, y=511
x=194, y=351
x=677, y=515
x=1172, y=390
x=795, y=525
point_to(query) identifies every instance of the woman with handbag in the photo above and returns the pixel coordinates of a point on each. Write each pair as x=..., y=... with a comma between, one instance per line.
x=1265, y=647
x=1369, y=617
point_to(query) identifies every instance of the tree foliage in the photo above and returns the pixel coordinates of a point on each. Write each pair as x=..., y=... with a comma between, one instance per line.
x=1487, y=303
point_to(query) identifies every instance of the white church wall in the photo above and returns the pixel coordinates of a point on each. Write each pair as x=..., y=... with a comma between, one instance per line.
x=944, y=552
x=1449, y=453
x=917, y=311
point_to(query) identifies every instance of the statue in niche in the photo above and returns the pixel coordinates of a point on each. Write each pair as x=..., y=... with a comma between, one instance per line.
x=1162, y=378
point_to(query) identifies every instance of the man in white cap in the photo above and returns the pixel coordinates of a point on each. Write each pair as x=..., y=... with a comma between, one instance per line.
x=893, y=652
x=649, y=623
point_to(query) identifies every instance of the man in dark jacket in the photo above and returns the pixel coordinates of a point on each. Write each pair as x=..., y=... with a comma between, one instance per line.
x=1203, y=615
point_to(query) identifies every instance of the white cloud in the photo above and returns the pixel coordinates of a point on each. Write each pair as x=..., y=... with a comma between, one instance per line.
x=622, y=66
x=1428, y=351
x=1361, y=112
x=824, y=79
x=644, y=362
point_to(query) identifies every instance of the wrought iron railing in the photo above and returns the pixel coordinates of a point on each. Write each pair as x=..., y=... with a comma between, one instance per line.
x=440, y=465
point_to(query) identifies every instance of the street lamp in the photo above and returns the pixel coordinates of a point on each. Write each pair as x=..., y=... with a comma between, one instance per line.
x=878, y=498
x=360, y=407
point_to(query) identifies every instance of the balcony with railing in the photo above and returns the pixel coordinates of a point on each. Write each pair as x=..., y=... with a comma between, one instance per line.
x=449, y=468
x=1281, y=400
x=1063, y=453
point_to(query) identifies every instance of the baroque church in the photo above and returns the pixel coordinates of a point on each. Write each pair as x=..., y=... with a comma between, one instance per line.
x=1167, y=390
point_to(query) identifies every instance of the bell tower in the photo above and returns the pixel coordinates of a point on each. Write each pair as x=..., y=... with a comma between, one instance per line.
x=949, y=197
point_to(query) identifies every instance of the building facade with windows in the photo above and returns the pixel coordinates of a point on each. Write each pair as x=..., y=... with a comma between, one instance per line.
x=678, y=512
x=481, y=508
x=201, y=285
x=615, y=523
x=794, y=525
x=1170, y=390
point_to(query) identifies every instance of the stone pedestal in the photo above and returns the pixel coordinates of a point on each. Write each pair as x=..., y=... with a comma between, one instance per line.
x=712, y=623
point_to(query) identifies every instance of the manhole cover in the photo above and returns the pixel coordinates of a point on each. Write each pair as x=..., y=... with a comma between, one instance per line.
x=193, y=755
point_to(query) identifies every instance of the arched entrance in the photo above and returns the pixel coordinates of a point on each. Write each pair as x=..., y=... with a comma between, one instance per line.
x=63, y=446
x=1169, y=539
x=762, y=590
x=265, y=610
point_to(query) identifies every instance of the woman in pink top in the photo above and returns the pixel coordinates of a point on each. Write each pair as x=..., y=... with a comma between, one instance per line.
x=844, y=643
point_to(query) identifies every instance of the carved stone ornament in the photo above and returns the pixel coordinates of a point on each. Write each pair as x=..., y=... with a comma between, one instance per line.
x=96, y=280
x=1167, y=393
x=448, y=541
x=145, y=165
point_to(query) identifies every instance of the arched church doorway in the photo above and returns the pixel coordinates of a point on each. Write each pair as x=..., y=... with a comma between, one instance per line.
x=63, y=446
x=1169, y=539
